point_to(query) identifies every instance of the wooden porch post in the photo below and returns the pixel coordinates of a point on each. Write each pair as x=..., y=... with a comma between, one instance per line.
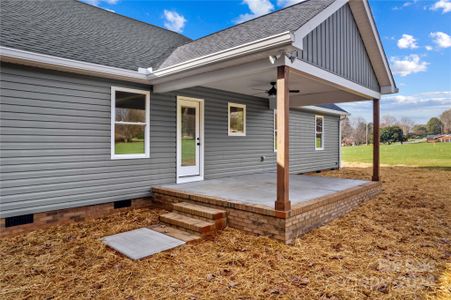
x=376, y=138
x=283, y=109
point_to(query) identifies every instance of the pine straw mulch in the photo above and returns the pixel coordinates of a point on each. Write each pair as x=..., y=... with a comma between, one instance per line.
x=396, y=246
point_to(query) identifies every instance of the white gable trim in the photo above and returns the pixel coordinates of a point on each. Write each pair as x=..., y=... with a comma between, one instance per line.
x=305, y=29
x=371, y=39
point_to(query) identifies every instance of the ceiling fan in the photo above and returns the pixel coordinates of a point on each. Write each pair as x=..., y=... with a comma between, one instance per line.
x=272, y=92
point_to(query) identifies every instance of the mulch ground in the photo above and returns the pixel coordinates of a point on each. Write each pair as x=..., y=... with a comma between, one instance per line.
x=396, y=246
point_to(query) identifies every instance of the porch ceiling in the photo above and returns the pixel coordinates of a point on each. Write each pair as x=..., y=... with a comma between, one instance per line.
x=312, y=91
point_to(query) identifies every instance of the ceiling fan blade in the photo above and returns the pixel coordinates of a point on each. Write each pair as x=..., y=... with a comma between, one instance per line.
x=294, y=91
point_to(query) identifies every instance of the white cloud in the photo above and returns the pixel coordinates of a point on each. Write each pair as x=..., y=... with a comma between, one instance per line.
x=285, y=3
x=257, y=8
x=405, y=4
x=442, y=39
x=444, y=5
x=174, y=21
x=407, y=41
x=408, y=65
x=431, y=98
x=429, y=48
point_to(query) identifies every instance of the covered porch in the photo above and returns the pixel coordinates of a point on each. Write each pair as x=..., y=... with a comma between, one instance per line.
x=280, y=191
x=315, y=64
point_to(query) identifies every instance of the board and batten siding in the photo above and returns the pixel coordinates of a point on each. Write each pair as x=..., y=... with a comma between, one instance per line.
x=336, y=46
x=55, y=132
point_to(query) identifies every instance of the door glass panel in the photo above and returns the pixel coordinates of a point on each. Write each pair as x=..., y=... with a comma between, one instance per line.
x=188, y=136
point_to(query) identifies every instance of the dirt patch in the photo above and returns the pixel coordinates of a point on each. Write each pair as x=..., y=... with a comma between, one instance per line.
x=393, y=247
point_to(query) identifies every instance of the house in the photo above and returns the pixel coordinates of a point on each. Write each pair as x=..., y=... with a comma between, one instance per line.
x=98, y=108
x=439, y=138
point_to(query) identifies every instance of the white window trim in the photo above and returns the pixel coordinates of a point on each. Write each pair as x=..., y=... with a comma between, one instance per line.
x=243, y=106
x=146, y=153
x=322, y=133
x=274, y=129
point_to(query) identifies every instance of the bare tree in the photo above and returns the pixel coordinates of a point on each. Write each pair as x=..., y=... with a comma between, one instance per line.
x=406, y=125
x=445, y=117
x=360, y=131
x=388, y=120
x=346, y=132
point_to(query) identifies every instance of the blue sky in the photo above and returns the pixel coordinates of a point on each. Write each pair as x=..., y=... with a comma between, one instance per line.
x=416, y=36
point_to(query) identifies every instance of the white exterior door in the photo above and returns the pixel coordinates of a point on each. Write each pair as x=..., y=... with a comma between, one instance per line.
x=189, y=139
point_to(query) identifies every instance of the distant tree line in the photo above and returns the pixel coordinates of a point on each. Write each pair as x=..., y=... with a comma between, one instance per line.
x=358, y=132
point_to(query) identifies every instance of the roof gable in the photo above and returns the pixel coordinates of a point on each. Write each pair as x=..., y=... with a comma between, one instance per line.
x=335, y=45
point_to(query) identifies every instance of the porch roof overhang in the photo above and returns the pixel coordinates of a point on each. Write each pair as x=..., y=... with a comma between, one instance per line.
x=214, y=65
x=252, y=77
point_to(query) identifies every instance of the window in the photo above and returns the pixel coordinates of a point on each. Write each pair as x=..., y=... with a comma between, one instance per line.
x=275, y=130
x=129, y=123
x=319, y=133
x=237, y=119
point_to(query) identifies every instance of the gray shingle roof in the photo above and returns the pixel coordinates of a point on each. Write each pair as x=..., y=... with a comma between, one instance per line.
x=331, y=106
x=288, y=19
x=75, y=30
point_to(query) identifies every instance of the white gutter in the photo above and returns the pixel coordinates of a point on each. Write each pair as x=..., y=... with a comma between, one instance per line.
x=281, y=39
x=69, y=65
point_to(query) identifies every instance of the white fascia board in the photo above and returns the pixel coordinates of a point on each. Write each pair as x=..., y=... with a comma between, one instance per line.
x=339, y=82
x=305, y=29
x=379, y=46
x=370, y=36
x=389, y=90
x=324, y=110
x=69, y=65
x=278, y=40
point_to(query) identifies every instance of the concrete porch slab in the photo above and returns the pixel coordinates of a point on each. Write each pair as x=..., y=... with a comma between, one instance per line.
x=260, y=189
x=140, y=243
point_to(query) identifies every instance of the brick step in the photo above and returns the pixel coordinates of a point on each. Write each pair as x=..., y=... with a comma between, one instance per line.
x=200, y=211
x=174, y=232
x=192, y=224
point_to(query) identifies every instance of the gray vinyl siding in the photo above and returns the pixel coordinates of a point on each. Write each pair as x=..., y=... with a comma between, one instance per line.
x=235, y=155
x=55, y=141
x=336, y=46
x=303, y=156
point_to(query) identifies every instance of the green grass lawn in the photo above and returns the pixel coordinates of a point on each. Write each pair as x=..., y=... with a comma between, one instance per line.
x=188, y=152
x=136, y=147
x=419, y=154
